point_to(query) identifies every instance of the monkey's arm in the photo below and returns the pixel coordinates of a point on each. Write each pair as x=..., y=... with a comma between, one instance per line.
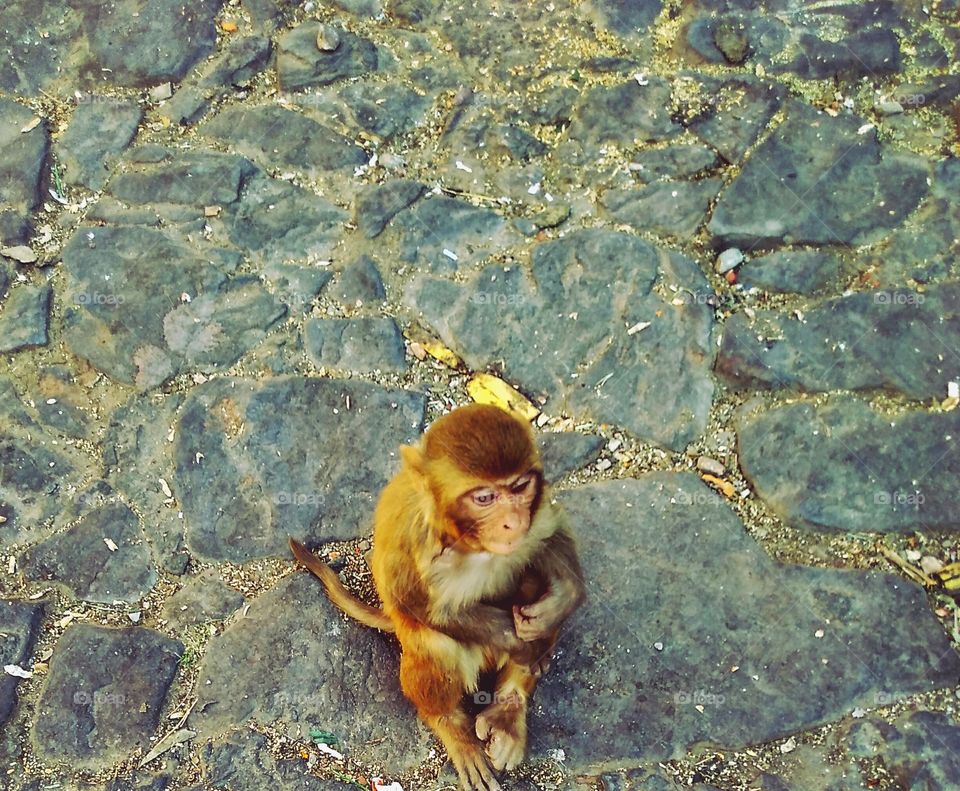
x=483, y=624
x=558, y=563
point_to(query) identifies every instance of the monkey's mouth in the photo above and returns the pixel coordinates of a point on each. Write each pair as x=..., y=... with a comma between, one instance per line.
x=503, y=547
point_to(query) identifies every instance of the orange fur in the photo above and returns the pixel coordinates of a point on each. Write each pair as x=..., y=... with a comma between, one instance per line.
x=457, y=606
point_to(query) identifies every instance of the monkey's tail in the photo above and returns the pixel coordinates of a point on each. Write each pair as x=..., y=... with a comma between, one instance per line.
x=340, y=596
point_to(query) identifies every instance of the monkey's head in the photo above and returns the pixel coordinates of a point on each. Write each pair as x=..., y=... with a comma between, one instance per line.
x=483, y=474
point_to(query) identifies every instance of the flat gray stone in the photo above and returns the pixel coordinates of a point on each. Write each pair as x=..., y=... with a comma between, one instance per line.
x=103, y=695
x=737, y=112
x=244, y=762
x=671, y=208
x=379, y=203
x=626, y=16
x=359, y=281
x=277, y=221
x=842, y=466
x=626, y=114
x=816, y=180
x=137, y=454
x=648, y=669
x=203, y=598
x=296, y=453
x=30, y=63
x=34, y=476
x=279, y=138
x=300, y=64
x=92, y=569
x=202, y=178
x=24, y=316
x=144, y=43
x=325, y=672
x=126, y=313
x=22, y=159
x=364, y=345
x=467, y=233
x=896, y=339
x=919, y=750
x=298, y=286
x=675, y=162
x=383, y=110
x=582, y=295
x=19, y=629
x=242, y=59
x=565, y=452
x=793, y=271
x=102, y=127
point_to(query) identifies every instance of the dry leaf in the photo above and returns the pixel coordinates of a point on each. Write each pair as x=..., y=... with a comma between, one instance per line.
x=440, y=352
x=726, y=487
x=488, y=389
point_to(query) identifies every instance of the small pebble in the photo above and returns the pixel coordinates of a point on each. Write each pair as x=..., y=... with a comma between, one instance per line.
x=729, y=259
x=889, y=107
x=160, y=92
x=710, y=466
x=328, y=39
x=930, y=564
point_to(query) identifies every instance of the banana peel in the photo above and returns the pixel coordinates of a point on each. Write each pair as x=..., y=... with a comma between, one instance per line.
x=488, y=389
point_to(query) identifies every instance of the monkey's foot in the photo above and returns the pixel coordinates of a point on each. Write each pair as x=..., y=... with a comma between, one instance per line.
x=503, y=726
x=474, y=770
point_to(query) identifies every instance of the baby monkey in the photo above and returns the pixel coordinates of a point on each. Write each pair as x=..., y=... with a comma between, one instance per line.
x=477, y=570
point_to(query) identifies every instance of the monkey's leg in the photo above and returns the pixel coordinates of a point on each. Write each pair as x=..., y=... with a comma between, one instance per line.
x=503, y=724
x=435, y=680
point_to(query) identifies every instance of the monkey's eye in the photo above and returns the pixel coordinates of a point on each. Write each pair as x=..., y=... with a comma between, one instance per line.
x=484, y=497
x=521, y=484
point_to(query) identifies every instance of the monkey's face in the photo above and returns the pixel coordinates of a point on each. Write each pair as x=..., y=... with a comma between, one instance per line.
x=498, y=514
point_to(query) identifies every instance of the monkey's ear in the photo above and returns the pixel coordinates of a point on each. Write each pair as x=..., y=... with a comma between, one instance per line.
x=413, y=458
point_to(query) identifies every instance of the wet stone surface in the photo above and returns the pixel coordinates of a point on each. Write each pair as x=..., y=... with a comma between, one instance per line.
x=97, y=703
x=850, y=467
x=868, y=192
x=589, y=290
x=678, y=686
x=298, y=483
x=899, y=340
x=279, y=632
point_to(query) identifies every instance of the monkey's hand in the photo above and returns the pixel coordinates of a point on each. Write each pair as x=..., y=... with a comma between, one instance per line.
x=542, y=618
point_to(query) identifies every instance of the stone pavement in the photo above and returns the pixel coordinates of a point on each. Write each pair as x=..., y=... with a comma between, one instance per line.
x=715, y=242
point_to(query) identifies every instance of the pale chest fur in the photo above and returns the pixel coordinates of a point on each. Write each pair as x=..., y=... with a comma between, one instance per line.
x=459, y=579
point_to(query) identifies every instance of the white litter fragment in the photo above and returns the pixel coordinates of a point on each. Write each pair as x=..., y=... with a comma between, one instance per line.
x=788, y=746
x=379, y=786
x=638, y=327
x=165, y=488
x=461, y=166
x=953, y=389
x=641, y=79
x=450, y=254
x=534, y=189
x=328, y=750
x=16, y=670
x=864, y=129
x=110, y=544
x=557, y=755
